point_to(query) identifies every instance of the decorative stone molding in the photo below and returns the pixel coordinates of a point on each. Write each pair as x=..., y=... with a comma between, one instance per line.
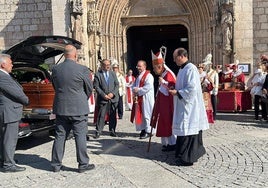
x=76, y=7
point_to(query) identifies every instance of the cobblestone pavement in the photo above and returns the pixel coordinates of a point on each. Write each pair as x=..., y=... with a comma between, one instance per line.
x=237, y=156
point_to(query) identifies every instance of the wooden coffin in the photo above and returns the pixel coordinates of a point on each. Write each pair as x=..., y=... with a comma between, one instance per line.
x=40, y=95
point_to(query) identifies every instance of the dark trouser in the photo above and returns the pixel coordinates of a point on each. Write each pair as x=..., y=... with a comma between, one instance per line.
x=103, y=109
x=8, y=142
x=214, y=105
x=190, y=148
x=120, y=107
x=80, y=128
x=257, y=102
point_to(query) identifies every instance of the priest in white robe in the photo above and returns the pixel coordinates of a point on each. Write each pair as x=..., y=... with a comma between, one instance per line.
x=143, y=89
x=189, y=119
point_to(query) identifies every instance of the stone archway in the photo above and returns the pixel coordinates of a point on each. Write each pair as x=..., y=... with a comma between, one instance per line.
x=116, y=17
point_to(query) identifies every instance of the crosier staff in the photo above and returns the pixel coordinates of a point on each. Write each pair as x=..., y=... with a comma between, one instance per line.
x=154, y=119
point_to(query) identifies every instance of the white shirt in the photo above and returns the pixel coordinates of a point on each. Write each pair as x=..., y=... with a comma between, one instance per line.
x=122, y=84
x=258, y=78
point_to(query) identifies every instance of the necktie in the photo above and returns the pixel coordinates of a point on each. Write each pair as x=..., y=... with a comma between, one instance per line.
x=107, y=77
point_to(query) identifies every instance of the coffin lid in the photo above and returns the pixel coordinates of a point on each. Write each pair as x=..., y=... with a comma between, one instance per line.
x=36, y=49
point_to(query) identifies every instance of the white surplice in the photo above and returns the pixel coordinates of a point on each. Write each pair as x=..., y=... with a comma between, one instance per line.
x=189, y=112
x=147, y=93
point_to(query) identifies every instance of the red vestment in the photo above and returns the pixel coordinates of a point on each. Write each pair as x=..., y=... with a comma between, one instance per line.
x=136, y=111
x=240, y=78
x=162, y=116
x=227, y=77
x=129, y=82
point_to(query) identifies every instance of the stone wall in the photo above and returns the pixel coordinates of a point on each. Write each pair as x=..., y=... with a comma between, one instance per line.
x=20, y=19
x=260, y=24
x=61, y=17
x=243, y=31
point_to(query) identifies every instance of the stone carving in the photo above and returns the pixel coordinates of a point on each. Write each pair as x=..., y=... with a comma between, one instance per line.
x=208, y=59
x=95, y=40
x=226, y=2
x=92, y=17
x=76, y=20
x=76, y=7
x=227, y=27
x=77, y=28
x=76, y=12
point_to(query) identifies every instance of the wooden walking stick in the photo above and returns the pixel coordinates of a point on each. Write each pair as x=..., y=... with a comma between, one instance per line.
x=154, y=119
x=149, y=143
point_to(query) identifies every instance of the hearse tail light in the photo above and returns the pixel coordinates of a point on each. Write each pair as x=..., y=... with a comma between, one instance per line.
x=21, y=125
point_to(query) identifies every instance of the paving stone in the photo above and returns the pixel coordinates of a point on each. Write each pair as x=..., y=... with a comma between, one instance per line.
x=237, y=156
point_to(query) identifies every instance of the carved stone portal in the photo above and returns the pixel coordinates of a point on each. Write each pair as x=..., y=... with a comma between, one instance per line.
x=94, y=33
x=76, y=11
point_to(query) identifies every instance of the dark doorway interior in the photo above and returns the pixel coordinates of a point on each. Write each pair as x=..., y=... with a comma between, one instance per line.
x=142, y=39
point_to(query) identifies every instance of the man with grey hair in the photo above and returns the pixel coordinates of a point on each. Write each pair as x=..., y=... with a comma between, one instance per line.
x=12, y=99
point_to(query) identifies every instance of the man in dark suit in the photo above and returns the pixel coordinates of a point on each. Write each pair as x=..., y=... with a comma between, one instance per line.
x=72, y=89
x=107, y=88
x=12, y=99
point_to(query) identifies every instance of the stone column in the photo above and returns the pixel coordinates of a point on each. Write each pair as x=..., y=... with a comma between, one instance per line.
x=94, y=35
x=77, y=28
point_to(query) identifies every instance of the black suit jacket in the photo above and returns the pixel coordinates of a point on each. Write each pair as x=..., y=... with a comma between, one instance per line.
x=265, y=84
x=72, y=87
x=102, y=88
x=12, y=99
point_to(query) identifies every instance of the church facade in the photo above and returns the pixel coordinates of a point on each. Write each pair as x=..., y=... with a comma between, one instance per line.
x=127, y=30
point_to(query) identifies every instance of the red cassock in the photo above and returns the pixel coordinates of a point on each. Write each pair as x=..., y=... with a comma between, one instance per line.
x=240, y=78
x=227, y=77
x=162, y=116
x=129, y=81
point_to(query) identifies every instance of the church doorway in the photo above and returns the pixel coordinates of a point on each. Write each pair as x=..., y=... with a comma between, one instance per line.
x=142, y=39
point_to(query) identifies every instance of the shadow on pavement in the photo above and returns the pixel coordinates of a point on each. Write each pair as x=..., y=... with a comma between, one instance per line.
x=245, y=118
x=129, y=145
x=33, y=141
x=37, y=162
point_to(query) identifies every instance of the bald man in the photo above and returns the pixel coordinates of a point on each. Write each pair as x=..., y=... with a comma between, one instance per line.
x=72, y=88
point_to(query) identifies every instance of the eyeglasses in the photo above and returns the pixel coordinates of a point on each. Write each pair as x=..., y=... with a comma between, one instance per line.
x=106, y=65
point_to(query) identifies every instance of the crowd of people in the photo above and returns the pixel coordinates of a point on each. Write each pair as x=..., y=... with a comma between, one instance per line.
x=258, y=86
x=178, y=112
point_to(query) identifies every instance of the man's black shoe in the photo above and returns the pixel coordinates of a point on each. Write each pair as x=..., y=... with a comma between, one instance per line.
x=142, y=133
x=57, y=169
x=14, y=168
x=89, y=167
x=169, y=148
x=164, y=147
x=97, y=135
x=146, y=135
x=113, y=134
